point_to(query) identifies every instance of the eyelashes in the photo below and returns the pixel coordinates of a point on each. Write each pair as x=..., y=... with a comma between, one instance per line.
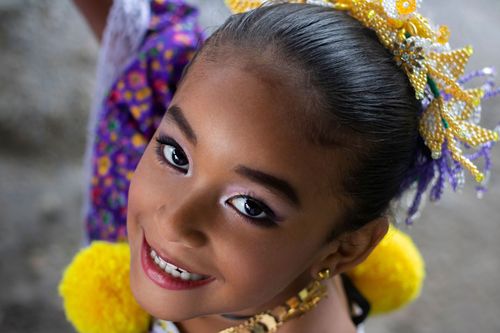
x=253, y=209
x=169, y=152
x=246, y=206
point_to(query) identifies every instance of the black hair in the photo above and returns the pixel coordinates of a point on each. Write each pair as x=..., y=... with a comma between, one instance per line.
x=364, y=100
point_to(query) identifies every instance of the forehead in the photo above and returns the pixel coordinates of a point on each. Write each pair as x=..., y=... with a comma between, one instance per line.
x=244, y=114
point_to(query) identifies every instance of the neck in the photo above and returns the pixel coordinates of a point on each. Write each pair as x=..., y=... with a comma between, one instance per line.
x=331, y=314
x=235, y=316
x=219, y=322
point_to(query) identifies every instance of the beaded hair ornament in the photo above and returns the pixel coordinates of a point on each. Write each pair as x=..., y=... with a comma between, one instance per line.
x=449, y=120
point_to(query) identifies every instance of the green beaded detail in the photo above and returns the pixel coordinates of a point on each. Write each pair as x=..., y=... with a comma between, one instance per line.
x=433, y=86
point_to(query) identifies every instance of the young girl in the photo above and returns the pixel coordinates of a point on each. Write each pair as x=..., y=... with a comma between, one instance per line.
x=292, y=129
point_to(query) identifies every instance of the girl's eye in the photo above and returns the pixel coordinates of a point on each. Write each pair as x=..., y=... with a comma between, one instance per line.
x=168, y=150
x=255, y=211
x=175, y=156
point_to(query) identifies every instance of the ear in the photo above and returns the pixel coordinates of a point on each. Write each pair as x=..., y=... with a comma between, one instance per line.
x=351, y=248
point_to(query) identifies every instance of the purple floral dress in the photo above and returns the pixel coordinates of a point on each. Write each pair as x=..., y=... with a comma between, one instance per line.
x=132, y=109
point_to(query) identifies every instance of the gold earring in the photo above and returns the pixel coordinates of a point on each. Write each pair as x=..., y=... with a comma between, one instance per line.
x=324, y=274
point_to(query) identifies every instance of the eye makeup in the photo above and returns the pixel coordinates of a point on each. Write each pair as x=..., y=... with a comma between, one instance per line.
x=243, y=203
x=253, y=203
x=161, y=142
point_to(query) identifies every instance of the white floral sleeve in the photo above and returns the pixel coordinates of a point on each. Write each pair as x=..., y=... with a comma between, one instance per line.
x=126, y=25
x=162, y=326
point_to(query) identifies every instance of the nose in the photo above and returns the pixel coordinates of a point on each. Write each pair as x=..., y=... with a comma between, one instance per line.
x=184, y=218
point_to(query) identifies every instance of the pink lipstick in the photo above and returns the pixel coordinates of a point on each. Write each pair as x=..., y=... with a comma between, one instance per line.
x=164, y=279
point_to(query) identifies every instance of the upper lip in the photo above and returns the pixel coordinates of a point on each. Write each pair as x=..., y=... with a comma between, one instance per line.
x=169, y=259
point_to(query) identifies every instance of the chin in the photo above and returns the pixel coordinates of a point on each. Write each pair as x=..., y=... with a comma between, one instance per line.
x=157, y=305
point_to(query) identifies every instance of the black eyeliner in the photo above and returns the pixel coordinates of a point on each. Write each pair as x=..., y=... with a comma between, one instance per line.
x=162, y=140
x=269, y=222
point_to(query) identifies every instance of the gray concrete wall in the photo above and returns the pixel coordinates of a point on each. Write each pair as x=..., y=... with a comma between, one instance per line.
x=47, y=64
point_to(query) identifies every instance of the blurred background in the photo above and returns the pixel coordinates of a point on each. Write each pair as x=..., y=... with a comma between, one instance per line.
x=47, y=69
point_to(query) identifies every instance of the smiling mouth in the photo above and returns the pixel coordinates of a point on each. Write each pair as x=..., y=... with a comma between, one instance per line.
x=163, y=272
x=173, y=270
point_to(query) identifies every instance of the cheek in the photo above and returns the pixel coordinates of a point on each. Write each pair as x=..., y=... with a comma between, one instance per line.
x=144, y=192
x=146, y=187
x=256, y=271
x=137, y=193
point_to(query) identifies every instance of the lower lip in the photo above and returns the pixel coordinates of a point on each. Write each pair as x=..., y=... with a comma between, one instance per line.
x=163, y=279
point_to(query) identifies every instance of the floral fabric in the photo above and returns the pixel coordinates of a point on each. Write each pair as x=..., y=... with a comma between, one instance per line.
x=131, y=111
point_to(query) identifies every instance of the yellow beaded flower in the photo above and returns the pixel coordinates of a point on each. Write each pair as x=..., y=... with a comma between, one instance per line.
x=409, y=56
x=433, y=70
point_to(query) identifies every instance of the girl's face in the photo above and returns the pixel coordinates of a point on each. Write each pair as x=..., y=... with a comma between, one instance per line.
x=230, y=189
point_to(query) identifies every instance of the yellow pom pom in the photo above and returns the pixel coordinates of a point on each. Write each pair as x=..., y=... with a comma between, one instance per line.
x=96, y=291
x=392, y=275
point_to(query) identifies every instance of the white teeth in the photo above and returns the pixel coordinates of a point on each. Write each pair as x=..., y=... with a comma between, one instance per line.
x=169, y=268
x=190, y=276
x=196, y=277
x=174, y=270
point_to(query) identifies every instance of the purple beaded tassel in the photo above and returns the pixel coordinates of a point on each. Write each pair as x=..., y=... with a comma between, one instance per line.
x=437, y=173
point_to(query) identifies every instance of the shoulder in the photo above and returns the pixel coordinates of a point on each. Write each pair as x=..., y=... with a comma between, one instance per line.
x=173, y=35
x=177, y=17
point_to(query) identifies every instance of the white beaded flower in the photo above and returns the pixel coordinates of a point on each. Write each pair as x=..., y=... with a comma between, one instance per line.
x=320, y=3
x=401, y=9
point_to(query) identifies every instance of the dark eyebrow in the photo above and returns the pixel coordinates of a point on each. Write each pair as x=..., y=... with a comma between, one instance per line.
x=268, y=180
x=174, y=112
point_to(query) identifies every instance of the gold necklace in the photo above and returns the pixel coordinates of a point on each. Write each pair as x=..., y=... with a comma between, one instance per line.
x=270, y=321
